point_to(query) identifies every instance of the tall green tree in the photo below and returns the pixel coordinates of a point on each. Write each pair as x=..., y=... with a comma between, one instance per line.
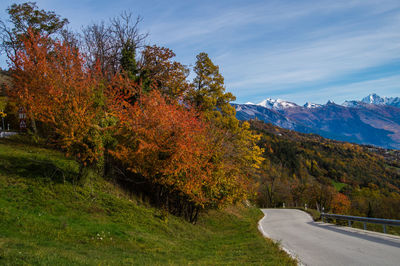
x=208, y=93
x=128, y=59
x=235, y=151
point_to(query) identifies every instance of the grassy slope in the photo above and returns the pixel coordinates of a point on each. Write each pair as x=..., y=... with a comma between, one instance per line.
x=44, y=219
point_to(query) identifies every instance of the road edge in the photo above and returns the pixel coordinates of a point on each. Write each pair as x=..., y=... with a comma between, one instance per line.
x=289, y=252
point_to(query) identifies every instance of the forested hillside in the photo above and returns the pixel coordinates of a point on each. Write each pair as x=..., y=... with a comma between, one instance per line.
x=359, y=122
x=341, y=177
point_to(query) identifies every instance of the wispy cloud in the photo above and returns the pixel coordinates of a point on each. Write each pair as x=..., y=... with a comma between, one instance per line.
x=265, y=48
x=295, y=50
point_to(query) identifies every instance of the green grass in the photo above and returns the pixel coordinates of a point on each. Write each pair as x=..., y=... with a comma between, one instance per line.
x=316, y=215
x=393, y=230
x=46, y=220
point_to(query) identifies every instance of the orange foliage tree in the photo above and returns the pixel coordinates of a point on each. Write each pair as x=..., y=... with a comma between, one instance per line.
x=164, y=143
x=53, y=84
x=340, y=203
x=171, y=146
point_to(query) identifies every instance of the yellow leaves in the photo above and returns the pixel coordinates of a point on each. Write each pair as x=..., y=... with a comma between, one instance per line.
x=257, y=156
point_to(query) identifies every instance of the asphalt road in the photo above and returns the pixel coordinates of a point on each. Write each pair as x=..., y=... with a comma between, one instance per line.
x=317, y=243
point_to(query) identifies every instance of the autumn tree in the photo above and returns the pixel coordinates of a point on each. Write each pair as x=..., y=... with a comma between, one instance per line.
x=27, y=16
x=164, y=143
x=158, y=69
x=340, y=204
x=51, y=81
x=14, y=32
x=320, y=196
x=174, y=148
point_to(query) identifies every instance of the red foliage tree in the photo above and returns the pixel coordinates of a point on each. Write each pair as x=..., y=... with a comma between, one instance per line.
x=51, y=81
x=340, y=203
x=165, y=143
x=170, y=145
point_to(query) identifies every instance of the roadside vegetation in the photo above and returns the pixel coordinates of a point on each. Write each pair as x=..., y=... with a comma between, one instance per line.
x=46, y=219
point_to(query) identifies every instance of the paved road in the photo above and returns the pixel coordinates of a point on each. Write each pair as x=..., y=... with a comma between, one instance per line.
x=317, y=243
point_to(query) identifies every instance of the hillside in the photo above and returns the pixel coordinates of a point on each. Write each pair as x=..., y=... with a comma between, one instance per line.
x=45, y=219
x=307, y=169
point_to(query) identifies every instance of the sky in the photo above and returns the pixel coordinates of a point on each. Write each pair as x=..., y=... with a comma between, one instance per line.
x=300, y=51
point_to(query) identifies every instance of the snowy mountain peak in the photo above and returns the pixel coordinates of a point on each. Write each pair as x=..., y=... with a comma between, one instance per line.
x=276, y=104
x=312, y=105
x=377, y=100
x=350, y=103
x=374, y=99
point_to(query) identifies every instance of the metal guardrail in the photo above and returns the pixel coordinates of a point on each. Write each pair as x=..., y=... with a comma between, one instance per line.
x=365, y=220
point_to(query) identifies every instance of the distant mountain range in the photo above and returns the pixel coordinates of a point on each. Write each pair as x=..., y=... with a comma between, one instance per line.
x=373, y=120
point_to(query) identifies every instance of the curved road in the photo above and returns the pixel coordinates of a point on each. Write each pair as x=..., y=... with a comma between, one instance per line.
x=317, y=243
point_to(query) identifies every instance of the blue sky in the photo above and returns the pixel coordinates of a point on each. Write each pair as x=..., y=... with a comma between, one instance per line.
x=294, y=50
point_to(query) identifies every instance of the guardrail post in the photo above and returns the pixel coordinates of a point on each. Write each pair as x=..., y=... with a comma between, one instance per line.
x=365, y=226
x=384, y=228
x=322, y=215
x=349, y=223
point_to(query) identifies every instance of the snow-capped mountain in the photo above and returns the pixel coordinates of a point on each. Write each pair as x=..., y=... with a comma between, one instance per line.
x=373, y=120
x=377, y=100
x=277, y=104
x=373, y=99
x=312, y=105
x=351, y=103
